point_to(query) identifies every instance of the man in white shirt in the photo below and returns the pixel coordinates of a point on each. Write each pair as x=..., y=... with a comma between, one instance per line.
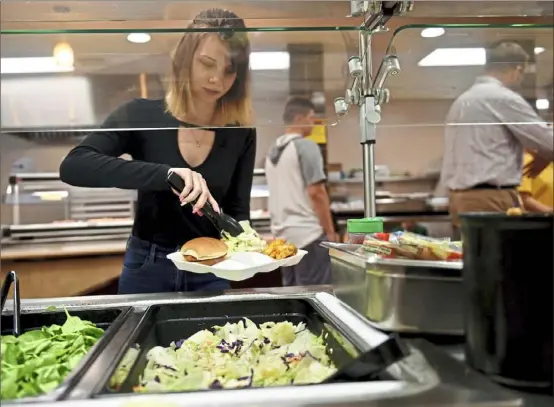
x=298, y=201
x=488, y=127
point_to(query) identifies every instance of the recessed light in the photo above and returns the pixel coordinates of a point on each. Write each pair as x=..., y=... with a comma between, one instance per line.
x=432, y=32
x=539, y=50
x=542, y=104
x=138, y=38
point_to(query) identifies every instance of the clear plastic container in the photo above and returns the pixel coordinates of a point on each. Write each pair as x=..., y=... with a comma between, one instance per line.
x=357, y=229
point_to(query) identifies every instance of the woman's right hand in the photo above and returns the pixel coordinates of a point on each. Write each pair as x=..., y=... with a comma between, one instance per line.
x=195, y=189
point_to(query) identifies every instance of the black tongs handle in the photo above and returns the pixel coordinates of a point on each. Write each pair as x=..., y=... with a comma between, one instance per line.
x=11, y=277
x=221, y=221
x=177, y=183
x=370, y=363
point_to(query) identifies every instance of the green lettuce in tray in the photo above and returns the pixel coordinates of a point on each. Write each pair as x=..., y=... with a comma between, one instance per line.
x=38, y=361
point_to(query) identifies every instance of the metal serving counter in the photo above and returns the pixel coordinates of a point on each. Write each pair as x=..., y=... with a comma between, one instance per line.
x=418, y=380
x=399, y=295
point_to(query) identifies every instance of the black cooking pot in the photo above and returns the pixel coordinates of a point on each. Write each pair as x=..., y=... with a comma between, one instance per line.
x=508, y=297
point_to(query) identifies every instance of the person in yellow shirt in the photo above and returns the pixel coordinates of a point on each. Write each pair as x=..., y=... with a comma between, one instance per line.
x=537, y=193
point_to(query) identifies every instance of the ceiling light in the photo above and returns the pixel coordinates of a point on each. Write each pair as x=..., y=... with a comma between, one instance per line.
x=63, y=54
x=265, y=61
x=542, y=104
x=539, y=50
x=139, y=38
x=455, y=57
x=32, y=65
x=432, y=32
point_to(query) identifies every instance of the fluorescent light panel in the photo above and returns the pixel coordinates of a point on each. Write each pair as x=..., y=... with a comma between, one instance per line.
x=542, y=104
x=32, y=65
x=455, y=57
x=268, y=61
x=460, y=57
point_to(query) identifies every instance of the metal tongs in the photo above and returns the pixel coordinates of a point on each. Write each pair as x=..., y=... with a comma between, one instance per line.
x=369, y=364
x=223, y=222
x=12, y=278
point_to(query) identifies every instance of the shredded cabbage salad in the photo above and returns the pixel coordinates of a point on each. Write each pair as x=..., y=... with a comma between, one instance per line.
x=236, y=356
x=247, y=241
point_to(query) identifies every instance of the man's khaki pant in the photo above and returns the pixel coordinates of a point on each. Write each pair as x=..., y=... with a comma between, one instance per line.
x=482, y=200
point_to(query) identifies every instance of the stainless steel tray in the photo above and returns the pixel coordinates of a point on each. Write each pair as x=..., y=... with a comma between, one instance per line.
x=417, y=381
x=399, y=295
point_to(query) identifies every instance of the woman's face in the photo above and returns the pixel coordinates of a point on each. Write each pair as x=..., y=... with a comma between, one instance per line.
x=212, y=72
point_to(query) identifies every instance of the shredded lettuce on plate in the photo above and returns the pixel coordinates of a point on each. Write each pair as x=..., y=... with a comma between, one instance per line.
x=236, y=356
x=248, y=241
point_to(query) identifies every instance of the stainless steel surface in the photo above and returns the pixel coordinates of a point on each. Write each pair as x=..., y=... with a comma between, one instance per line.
x=399, y=295
x=367, y=128
x=89, y=203
x=420, y=380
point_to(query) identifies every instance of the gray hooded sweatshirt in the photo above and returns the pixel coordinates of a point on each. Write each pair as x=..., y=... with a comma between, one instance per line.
x=292, y=164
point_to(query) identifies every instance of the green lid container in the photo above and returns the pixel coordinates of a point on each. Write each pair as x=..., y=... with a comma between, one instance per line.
x=365, y=225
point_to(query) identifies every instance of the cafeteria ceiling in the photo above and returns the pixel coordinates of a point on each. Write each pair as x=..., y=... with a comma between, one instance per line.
x=113, y=54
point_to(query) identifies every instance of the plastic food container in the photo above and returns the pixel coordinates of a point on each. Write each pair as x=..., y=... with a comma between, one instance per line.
x=357, y=228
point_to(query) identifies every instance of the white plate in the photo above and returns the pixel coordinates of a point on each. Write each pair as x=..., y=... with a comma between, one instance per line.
x=239, y=266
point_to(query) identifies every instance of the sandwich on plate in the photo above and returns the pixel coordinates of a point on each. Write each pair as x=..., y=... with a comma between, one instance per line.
x=204, y=250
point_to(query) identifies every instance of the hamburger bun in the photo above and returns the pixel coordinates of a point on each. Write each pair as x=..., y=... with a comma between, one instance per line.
x=204, y=250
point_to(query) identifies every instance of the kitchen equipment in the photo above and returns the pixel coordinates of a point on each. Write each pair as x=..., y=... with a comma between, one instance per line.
x=109, y=319
x=223, y=222
x=372, y=362
x=508, y=297
x=11, y=278
x=163, y=324
x=399, y=295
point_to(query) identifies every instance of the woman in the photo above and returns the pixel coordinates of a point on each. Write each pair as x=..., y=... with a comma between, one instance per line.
x=208, y=88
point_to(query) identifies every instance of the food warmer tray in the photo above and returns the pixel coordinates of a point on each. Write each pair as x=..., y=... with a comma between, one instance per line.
x=160, y=319
x=414, y=381
x=399, y=295
x=111, y=319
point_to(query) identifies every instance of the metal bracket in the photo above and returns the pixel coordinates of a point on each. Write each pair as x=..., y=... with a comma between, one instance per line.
x=376, y=15
x=370, y=115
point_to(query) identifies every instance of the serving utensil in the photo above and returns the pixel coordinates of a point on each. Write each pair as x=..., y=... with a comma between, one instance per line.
x=222, y=221
x=11, y=277
x=369, y=364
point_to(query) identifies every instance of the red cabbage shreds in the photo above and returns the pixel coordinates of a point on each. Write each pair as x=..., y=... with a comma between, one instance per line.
x=216, y=385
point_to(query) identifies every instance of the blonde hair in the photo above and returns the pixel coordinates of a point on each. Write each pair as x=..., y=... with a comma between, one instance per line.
x=235, y=107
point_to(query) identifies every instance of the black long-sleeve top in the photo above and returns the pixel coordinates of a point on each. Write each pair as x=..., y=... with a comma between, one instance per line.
x=143, y=129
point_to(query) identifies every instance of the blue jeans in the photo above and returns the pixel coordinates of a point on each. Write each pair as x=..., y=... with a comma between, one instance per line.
x=147, y=270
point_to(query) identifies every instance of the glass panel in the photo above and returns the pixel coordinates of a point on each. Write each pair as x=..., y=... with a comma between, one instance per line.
x=476, y=8
x=433, y=75
x=180, y=10
x=48, y=93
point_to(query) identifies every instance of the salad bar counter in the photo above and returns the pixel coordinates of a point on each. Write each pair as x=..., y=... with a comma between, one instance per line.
x=290, y=347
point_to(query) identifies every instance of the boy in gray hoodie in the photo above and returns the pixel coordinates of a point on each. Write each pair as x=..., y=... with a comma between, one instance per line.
x=298, y=200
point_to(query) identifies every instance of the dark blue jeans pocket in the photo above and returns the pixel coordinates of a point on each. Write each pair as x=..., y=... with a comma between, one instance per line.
x=143, y=272
x=137, y=257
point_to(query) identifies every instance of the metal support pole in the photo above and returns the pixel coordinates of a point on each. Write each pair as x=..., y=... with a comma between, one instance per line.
x=368, y=155
x=368, y=117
